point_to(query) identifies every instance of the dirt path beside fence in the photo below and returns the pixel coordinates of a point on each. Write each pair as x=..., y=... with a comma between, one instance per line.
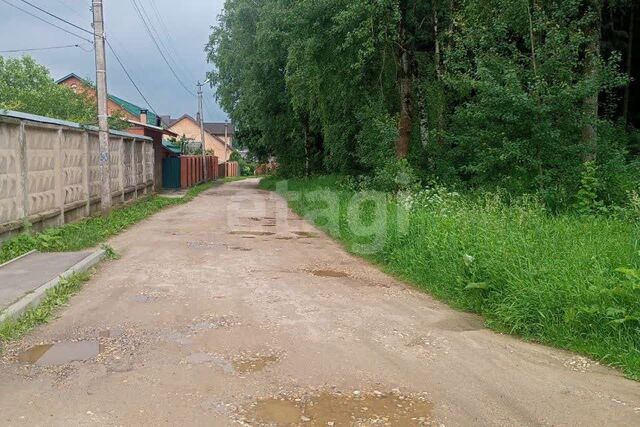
x=231, y=310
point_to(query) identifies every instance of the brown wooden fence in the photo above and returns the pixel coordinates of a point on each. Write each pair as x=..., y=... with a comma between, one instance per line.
x=228, y=169
x=192, y=170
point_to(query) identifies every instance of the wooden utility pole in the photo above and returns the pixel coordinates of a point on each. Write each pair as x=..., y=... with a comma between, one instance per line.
x=204, y=154
x=226, y=157
x=101, y=94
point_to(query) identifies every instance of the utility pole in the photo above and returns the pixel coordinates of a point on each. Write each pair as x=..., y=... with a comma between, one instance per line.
x=103, y=125
x=204, y=155
x=226, y=144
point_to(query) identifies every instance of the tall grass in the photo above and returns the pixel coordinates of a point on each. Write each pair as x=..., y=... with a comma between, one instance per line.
x=567, y=281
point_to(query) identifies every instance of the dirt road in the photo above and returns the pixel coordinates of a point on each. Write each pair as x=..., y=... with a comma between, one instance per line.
x=231, y=310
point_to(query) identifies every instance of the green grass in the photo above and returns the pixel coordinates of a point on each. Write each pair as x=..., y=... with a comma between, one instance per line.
x=56, y=297
x=92, y=231
x=567, y=281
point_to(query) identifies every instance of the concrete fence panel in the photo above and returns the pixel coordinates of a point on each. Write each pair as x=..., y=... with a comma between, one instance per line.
x=49, y=171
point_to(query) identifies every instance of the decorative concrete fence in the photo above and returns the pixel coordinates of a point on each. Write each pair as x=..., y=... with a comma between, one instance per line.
x=49, y=173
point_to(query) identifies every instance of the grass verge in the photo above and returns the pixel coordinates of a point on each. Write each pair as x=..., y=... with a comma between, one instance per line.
x=566, y=281
x=90, y=232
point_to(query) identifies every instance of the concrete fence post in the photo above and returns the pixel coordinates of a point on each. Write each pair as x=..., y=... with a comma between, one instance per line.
x=143, y=159
x=58, y=173
x=86, y=173
x=121, y=169
x=24, y=175
x=21, y=184
x=134, y=168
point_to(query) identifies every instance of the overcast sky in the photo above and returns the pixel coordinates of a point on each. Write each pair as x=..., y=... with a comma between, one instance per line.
x=184, y=27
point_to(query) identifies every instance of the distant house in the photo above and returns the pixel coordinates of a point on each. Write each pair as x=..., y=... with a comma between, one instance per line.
x=141, y=121
x=129, y=110
x=218, y=136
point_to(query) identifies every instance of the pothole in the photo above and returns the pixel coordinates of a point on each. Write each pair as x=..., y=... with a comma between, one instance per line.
x=329, y=273
x=248, y=363
x=307, y=234
x=143, y=298
x=252, y=233
x=198, y=244
x=239, y=248
x=354, y=409
x=461, y=322
x=60, y=353
x=215, y=322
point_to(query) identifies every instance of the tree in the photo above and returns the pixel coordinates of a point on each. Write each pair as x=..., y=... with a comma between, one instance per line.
x=28, y=87
x=479, y=93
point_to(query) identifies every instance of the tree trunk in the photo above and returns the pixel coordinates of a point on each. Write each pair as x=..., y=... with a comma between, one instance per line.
x=627, y=89
x=405, y=83
x=590, y=104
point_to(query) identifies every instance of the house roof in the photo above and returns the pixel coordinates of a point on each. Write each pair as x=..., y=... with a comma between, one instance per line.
x=152, y=118
x=156, y=128
x=217, y=137
x=167, y=120
x=217, y=128
x=170, y=147
x=212, y=128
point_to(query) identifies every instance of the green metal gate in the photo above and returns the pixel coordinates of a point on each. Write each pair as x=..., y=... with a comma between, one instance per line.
x=171, y=172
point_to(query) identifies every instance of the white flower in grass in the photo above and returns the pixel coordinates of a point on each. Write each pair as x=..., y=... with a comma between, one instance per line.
x=468, y=259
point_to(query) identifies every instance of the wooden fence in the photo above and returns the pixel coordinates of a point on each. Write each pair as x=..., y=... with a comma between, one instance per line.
x=192, y=170
x=49, y=172
x=228, y=169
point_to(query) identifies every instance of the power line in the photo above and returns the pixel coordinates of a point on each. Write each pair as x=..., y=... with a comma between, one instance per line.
x=39, y=48
x=155, y=42
x=68, y=6
x=115, y=54
x=129, y=76
x=171, y=47
x=157, y=35
x=57, y=17
x=47, y=22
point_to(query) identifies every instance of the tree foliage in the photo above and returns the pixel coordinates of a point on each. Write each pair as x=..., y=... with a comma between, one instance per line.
x=27, y=86
x=479, y=93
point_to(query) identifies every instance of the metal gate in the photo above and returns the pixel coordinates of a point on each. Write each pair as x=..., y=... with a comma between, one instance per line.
x=171, y=172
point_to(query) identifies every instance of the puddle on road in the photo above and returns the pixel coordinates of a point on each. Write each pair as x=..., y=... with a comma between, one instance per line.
x=249, y=364
x=203, y=245
x=252, y=233
x=60, y=353
x=329, y=273
x=460, y=322
x=142, y=298
x=343, y=410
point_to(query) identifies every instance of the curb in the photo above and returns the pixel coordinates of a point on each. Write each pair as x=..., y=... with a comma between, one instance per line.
x=34, y=297
x=17, y=258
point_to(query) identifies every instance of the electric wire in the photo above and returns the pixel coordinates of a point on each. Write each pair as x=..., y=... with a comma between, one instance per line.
x=32, y=49
x=155, y=42
x=47, y=22
x=57, y=17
